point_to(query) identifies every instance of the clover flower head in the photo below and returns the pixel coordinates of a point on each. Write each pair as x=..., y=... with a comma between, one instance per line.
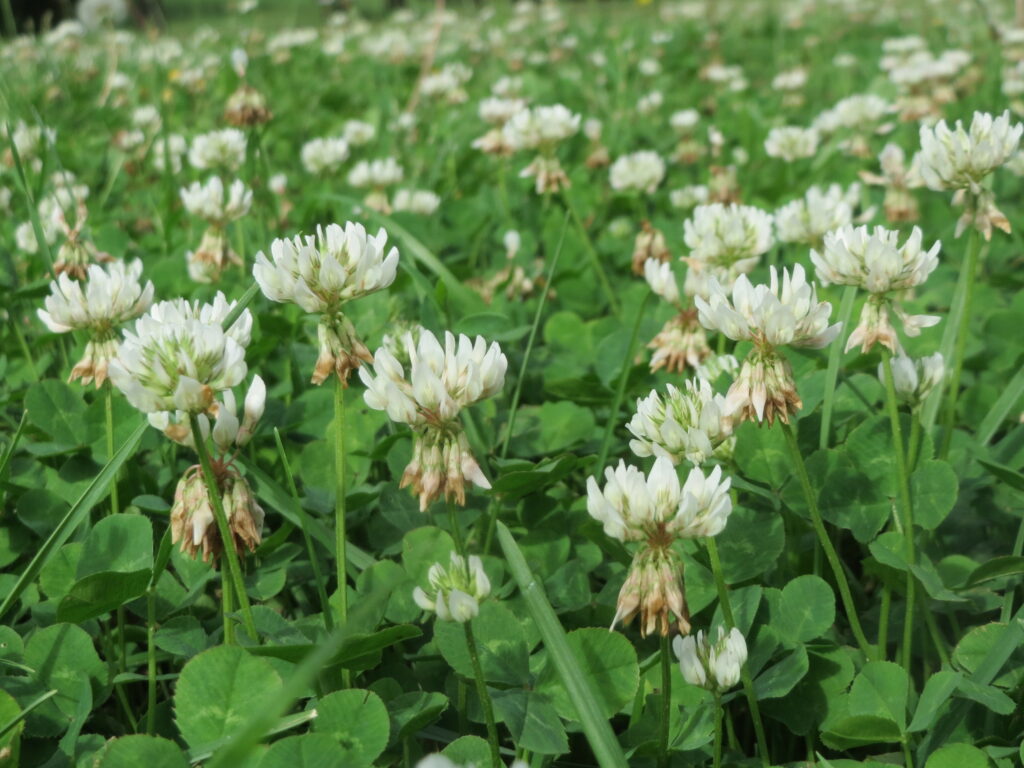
x=218, y=149
x=321, y=155
x=716, y=666
x=807, y=219
x=791, y=142
x=455, y=592
x=728, y=236
x=207, y=201
x=687, y=423
x=960, y=158
x=639, y=171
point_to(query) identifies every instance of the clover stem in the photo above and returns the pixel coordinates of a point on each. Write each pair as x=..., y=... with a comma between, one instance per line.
x=481, y=692
x=906, y=509
x=730, y=622
x=666, y=701
x=835, y=356
x=718, y=730
x=232, y=580
x=826, y=543
x=340, y=531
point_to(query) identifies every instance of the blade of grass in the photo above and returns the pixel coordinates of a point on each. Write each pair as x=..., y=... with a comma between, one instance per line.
x=1000, y=408
x=80, y=509
x=835, y=355
x=579, y=686
x=13, y=445
x=11, y=724
x=33, y=211
x=239, y=308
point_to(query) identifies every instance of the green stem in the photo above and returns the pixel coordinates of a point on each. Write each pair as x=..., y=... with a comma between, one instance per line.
x=227, y=605
x=718, y=731
x=908, y=758
x=115, y=507
x=620, y=389
x=914, y=444
x=906, y=510
x=340, y=536
x=26, y=351
x=10, y=28
x=314, y=561
x=936, y=636
x=826, y=542
x=453, y=520
x=835, y=356
x=883, y=622
x=954, y=339
x=730, y=622
x=1018, y=547
x=485, y=698
x=595, y=260
x=151, y=660
x=666, y=701
x=234, y=570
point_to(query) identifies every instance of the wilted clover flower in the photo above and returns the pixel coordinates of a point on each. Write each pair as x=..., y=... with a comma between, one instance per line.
x=770, y=316
x=791, y=142
x=874, y=261
x=110, y=296
x=640, y=172
x=715, y=666
x=915, y=378
x=681, y=342
x=688, y=423
x=657, y=510
x=807, y=219
x=192, y=520
x=439, y=383
x=177, y=357
x=321, y=274
x=324, y=154
x=960, y=159
x=455, y=592
x=218, y=149
x=725, y=241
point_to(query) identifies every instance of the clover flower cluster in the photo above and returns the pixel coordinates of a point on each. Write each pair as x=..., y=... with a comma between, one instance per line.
x=455, y=592
x=716, y=666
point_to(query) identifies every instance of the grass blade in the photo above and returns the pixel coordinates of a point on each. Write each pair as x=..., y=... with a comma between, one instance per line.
x=1000, y=408
x=11, y=724
x=97, y=489
x=239, y=308
x=581, y=690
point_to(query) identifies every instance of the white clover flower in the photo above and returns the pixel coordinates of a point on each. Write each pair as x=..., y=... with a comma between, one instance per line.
x=807, y=219
x=960, y=158
x=146, y=117
x=786, y=313
x=688, y=423
x=715, y=666
x=321, y=274
x=498, y=111
x=662, y=280
x=914, y=379
x=874, y=261
x=110, y=296
x=358, y=132
x=639, y=171
x=441, y=381
x=178, y=357
x=632, y=507
x=175, y=148
x=860, y=112
x=455, y=592
x=728, y=236
x=650, y=102
x=419, y=201
x=377, y=174
x=218, y=149
x=541, y=127
x=791, y=142
x=684, y=121
x=324, y=154
x=207, y=201
x=689, y=196
x=95, y=14
x=790, y=80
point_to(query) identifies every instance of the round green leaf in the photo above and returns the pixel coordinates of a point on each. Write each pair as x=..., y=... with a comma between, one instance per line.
x=610, y=660
x=803, y=610
x=880, y=690
x=218, y=690
x=63, y=655
x=504, y=656
x=138, y=750
x=310, y=750
x=468, y=750
x=958, y=756
x=358, y=721
x=422, y=548
x=750, y=544
x=934, y=488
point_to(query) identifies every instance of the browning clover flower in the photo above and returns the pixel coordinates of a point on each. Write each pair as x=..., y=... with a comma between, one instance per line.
x=178, y=357
x=321, y=274
x=192, y=520
x=441, y=382
x=770, y=316
x=873, y=260
x=657, y=510
x=110, y=296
